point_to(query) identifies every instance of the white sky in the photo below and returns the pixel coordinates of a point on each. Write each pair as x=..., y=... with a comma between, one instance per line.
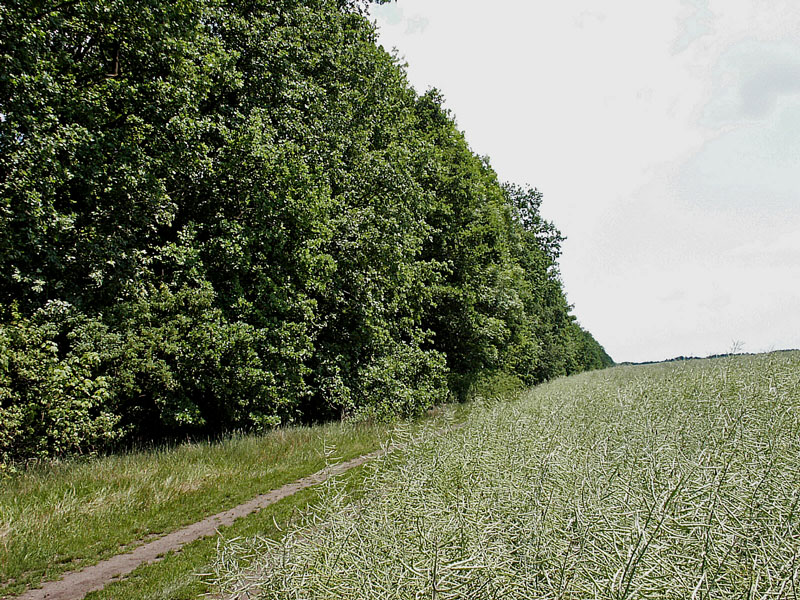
x=665, y=136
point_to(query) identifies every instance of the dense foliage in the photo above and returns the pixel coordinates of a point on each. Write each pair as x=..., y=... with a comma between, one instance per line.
x=220, y=215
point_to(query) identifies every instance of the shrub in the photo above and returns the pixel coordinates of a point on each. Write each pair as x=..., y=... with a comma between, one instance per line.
x=184, y=367
x=403, y=381
x=56, y=396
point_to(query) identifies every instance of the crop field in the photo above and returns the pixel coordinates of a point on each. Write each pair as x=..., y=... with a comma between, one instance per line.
x=676, y=480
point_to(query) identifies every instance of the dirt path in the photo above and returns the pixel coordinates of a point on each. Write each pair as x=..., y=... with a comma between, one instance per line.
x=76, y=584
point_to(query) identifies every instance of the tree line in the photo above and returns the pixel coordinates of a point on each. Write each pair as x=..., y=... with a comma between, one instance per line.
x=236, y=214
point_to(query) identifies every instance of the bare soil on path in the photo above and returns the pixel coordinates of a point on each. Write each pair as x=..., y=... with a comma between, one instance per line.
x=76, y=584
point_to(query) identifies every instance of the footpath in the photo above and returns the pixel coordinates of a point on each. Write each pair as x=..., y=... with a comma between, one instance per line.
x=76, y=584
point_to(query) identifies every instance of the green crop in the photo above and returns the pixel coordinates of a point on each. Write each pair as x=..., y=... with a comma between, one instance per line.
x=665, y=481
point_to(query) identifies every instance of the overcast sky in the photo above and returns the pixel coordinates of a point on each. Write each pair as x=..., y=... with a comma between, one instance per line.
x=665, y=136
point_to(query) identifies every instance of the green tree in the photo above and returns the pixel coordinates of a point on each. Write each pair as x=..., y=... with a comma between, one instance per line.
x=220, y=215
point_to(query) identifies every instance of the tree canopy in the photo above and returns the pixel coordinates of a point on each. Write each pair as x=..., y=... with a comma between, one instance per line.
x=239, y=214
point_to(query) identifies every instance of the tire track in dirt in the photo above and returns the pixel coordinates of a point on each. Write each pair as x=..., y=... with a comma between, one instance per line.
x=75, y=585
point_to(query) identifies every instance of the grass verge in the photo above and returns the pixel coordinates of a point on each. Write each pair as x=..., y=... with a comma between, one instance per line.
x=63, y=516
x=185, y=575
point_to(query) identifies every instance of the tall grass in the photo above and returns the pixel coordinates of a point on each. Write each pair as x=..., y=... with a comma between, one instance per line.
x=62, y=516
x=664, y=481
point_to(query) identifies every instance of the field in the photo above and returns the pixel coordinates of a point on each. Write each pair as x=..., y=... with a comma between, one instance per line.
x=676, y=480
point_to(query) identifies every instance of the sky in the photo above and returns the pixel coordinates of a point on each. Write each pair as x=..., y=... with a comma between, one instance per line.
x=665, y=137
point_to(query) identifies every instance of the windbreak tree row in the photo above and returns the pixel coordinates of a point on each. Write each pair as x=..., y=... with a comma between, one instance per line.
x=236, y=214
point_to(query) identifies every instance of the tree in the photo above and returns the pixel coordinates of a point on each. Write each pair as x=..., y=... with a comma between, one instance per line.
x=234, y=215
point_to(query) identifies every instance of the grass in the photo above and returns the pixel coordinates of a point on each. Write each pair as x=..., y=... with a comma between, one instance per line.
x=63, y=516
x=665, y=481
x=186, y=575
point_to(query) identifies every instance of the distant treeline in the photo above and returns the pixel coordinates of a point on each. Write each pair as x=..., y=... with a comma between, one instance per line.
x=710, y=356
x=233, y=215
